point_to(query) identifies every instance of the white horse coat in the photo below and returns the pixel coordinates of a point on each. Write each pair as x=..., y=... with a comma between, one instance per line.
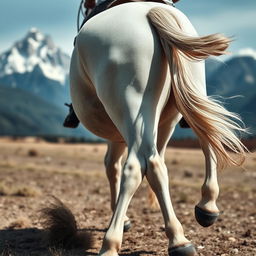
x=130, y=84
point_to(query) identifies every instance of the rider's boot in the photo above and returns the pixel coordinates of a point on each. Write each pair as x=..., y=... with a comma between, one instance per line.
x=71, y=120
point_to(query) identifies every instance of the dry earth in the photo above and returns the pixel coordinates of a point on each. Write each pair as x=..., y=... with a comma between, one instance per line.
x=31, y=171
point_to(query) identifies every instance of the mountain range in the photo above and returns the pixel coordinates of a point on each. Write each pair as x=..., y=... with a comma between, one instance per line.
x=34, y=86
x=36, y=65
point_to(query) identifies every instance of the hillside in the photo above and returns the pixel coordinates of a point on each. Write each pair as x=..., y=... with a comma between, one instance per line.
x=24, y=114
x=235, y=82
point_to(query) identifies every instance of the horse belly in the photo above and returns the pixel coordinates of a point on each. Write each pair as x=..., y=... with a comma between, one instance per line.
x=96, y=120
x=87, y=105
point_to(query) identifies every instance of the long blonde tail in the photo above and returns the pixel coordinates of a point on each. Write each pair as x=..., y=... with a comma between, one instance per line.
x=207, y=117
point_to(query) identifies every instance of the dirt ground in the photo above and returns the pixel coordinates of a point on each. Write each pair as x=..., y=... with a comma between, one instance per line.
x=31, y=171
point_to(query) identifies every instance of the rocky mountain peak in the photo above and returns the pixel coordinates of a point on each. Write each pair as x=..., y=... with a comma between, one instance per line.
x=35, y=50
x=35, y=34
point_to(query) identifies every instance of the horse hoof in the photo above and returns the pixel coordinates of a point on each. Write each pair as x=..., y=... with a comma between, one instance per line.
x=127, y=225
x=205, y=218
x=185, y=250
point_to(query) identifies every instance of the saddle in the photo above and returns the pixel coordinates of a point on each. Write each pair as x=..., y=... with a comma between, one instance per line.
x=118, y=2
x=111, y=3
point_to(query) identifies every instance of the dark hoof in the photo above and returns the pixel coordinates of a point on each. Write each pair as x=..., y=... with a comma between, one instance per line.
x=127, y=225
x=205, y=218
x=185, y=250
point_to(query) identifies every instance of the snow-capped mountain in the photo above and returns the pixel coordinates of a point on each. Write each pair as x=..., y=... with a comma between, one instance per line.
x=35, y=51
x=36, y=65
x=247, y=52
x=236, y=75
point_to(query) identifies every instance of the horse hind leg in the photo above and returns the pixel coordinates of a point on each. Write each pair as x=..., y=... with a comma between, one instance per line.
x=139, y=129
x=113, y=166
x=157, y=176
x=206, y=211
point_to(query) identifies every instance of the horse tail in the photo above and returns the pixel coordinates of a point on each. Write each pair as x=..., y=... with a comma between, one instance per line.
x=206, y=116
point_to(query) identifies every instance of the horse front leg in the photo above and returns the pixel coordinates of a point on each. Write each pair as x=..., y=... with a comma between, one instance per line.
x=113, y=165
x=206, y=211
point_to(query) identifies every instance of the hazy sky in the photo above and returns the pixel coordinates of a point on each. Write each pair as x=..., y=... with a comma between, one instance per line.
x=58, y=19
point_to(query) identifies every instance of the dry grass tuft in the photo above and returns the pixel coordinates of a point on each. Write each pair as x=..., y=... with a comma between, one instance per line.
x=33, y=152
x=56, y=252
x=174, y=162
x=62, y=227
x=4, y=189
x=188, y=174
x=182, y=197
x=6, y=251
x=20, y=223
x=23, y=191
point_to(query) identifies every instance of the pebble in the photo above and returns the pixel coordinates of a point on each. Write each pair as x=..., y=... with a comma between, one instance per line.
x=231, y=239
x=234, y=251
x=48, y=159
x=188, y=174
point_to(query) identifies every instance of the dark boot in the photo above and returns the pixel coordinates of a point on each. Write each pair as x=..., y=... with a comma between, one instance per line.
x=71, y=120
x=183, y=123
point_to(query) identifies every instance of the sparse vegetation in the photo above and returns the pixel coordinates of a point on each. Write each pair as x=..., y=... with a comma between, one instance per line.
x=63, y=231
x=25, y=191
x=4, y=189
x=81, y=182
x=20, y=190
x=188, y=174
x=20, y=223
x=33, y=152
x=183, y=197
x=174, y=162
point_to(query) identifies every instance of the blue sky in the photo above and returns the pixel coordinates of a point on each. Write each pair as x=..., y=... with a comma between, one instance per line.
x=58, y=19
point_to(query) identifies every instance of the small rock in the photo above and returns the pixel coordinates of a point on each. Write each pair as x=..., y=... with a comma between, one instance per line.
x=248, y=233
x=188, y=174
x=48, y=159
x=231, y=239
x=234, y=251
x=218, y=229
x=245, y=243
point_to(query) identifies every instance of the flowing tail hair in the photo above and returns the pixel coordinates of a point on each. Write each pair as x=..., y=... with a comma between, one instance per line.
x=207, y=117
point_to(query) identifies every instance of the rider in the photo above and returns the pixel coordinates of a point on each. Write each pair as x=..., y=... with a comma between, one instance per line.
x=92, y=8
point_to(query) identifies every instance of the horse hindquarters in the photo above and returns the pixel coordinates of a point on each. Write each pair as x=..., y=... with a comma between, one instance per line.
x=132, y=82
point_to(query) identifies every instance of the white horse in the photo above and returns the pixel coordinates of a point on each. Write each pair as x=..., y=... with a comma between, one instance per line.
x=136, y=69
